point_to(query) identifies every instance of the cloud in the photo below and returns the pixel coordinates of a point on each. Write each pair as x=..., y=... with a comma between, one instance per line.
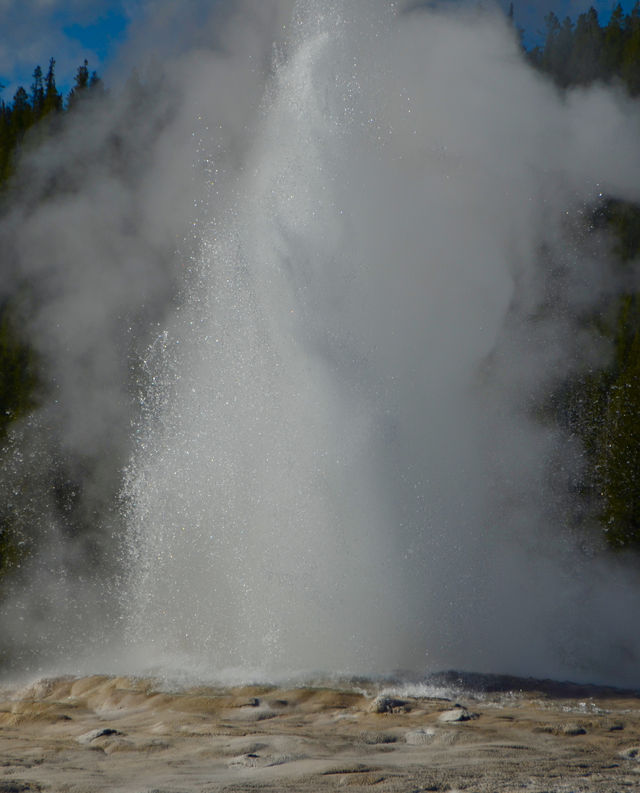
x=37, y=30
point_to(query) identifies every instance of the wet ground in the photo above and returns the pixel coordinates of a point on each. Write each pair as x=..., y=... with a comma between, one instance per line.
x=472, y=733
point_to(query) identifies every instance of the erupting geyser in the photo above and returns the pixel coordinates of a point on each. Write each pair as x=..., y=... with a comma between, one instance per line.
x=342, y=466
x=340, y=473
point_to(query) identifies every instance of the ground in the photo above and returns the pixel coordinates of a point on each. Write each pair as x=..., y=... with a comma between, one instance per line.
x=124, y=735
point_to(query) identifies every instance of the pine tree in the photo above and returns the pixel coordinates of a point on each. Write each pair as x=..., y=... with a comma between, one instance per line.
x=558, y=48
x=630, y=56
x=81, y=84
x=37, y=93
x=5, y=142
x=613, y=43
x=18, y=381
x=21, y=114
x=585, y=64
x=52, y=98
x=618, y=460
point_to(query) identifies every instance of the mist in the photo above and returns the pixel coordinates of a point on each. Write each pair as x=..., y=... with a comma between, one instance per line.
x=303, y=313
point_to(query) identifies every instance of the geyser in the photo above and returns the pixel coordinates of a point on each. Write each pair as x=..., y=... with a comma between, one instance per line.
x=342, y=466
x=339, y=469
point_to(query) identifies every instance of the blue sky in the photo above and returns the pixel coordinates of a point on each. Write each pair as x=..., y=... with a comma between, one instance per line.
x=33, y=31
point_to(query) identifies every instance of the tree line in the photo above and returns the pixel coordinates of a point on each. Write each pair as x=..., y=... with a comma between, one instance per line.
x=38, y=113
x=583, y=52
x=29, y=119
x=603, y=406
x=40, y=106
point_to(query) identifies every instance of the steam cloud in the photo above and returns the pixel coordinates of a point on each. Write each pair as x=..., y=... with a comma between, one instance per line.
x=338, y=467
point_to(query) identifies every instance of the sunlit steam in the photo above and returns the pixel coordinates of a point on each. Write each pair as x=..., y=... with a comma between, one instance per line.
x=343, y=463
x=345, y=473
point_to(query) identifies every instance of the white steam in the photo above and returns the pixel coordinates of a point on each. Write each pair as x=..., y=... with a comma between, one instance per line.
x=339, y=469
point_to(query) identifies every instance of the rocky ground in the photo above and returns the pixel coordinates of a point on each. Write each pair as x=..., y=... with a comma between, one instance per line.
x=124, y=735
